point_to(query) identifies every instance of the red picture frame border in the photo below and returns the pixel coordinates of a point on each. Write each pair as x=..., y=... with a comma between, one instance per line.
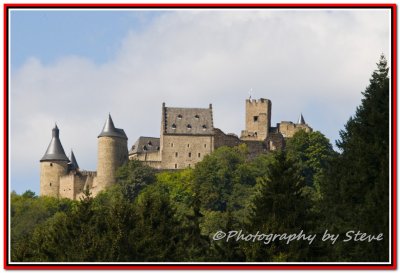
x=393, y=265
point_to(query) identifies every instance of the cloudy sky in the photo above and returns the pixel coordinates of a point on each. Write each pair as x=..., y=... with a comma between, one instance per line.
x=73, y=67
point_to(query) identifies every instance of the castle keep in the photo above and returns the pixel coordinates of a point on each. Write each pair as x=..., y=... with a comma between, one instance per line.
x=187, y=135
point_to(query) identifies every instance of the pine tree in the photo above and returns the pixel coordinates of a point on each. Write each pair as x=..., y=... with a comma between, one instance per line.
x=355, y=191
x=281, y=207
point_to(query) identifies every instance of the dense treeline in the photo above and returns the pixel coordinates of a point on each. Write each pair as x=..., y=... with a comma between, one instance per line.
x=175, y=216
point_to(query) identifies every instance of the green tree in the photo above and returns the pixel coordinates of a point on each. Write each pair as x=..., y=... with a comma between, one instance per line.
x=356, y=189
x=27, y=212
x=280, y=207
x=133, y=177
x=312, y=153
x=156, y=236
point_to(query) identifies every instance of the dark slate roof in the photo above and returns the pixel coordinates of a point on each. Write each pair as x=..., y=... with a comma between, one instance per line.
x=188, y=121
x=145, y=144
x=110, y=130
x=301, y=120
x=73, y=164
x=55, y=151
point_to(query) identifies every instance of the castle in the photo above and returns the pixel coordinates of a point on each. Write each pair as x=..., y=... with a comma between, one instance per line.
x=187, y=135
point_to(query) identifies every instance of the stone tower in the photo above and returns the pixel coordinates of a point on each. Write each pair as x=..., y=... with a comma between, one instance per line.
x=53, y=165
x=112, y=153
x=258, y=119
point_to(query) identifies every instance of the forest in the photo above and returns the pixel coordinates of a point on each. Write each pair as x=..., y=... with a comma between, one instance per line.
x=173, y=216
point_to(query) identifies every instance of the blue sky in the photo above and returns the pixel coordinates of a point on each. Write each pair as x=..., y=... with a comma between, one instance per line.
x=49, y=35
x=74, y=67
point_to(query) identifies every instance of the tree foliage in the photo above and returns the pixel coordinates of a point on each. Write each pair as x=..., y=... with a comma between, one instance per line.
x=151, y=216
x=356, y=188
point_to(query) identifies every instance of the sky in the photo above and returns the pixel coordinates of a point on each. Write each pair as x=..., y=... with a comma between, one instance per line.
x=74, y=67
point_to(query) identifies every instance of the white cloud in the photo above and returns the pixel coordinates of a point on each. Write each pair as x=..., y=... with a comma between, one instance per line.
x=311, y=61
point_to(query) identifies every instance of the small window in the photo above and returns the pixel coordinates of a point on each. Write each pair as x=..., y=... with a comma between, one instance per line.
x=188, y=145
x=173, y=126
x=205, y=145
x=144, y=148
x=50, y=184
x=176, y=166
x=149, y=143
x=179, y=116
x=172, y=144
x=196, y=116
x=190, y=154
x=255, y=118
x=204, y=127
x=198, y=155
x=176, y=154
x=158, y=148
x=189, y=165
x=51, y=165
x=189, y=126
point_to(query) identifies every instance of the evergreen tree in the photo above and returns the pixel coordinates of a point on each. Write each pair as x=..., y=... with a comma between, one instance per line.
x=355, y=191
x=280, y=207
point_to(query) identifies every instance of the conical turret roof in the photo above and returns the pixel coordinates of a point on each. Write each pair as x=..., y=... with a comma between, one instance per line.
x=109, y=129
x=55, y=151
x=301, y=120
x=73, y=163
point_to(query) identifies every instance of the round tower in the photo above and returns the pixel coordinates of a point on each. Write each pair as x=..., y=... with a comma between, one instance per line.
x=53, y=165
x=112, y=153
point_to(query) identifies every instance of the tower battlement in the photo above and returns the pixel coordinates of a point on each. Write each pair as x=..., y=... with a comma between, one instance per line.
x=255, y=102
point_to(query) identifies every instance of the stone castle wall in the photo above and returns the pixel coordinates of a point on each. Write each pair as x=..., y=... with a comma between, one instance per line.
x=73, y=184
x=50, y=173
x=222, y=139
x=258, y=119
x=288, y=129
x=112, y=153
x=182, y=151
x=152, y=159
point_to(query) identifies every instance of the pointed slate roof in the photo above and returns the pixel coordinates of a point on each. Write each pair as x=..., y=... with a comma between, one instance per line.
x=301, y=120
x=55, y=151
x=73, y=163
x=109, y=130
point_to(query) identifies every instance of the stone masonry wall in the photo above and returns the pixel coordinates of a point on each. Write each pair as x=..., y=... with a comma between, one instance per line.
x=258, y=119
x=112, y=153
x=182, y=151
x=288, y=129
x=152, y=159
x=222, y=139
x=50, y=173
